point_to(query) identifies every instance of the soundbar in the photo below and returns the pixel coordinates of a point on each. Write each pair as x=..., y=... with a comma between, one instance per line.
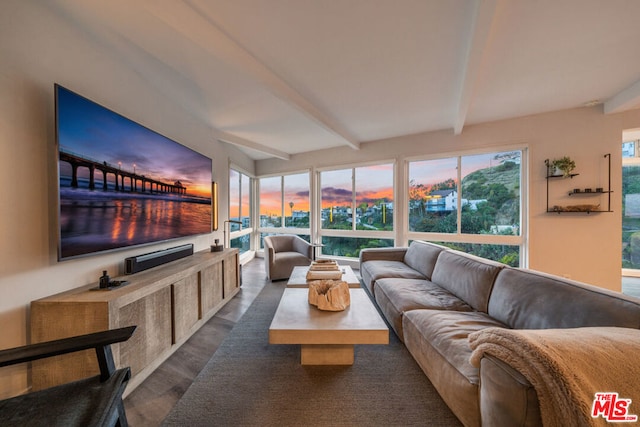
x=143, y=262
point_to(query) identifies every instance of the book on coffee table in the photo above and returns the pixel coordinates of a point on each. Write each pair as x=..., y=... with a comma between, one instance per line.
x=324, y=275
x=324, y=266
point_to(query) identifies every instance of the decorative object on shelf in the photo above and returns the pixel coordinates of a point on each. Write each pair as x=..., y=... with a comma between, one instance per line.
x=576, y=208
x=217, y=247
x=329, y=295
x=563, y=166
x=104, y=280
x=106, y=284
x=587, y=192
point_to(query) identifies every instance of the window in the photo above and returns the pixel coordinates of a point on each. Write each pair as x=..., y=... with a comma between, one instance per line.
x=469, y=195
x=271, y=202
x=491, y=193
x=296, y=200
x=351, y=246
x=239, y=210
x=337, y=198
x=374, y=198
x=356, y=209
x=433, y=195
x=285, y=197
x=631, y=205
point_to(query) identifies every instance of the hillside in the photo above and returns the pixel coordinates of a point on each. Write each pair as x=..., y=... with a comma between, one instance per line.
x=507, y=174
x=500, y=185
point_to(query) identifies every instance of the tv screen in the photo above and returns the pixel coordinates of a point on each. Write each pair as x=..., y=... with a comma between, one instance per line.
x=122, y=184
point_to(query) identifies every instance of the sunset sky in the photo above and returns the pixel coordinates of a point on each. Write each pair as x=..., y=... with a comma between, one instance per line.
x=94, y=132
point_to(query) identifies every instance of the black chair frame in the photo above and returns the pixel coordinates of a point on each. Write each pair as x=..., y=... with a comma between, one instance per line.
x=93, y=401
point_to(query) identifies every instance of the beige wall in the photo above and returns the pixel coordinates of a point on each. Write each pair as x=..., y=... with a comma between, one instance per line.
x=38, y=49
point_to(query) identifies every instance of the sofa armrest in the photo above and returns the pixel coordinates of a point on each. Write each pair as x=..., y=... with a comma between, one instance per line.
x=383, y=254
x=506, y=396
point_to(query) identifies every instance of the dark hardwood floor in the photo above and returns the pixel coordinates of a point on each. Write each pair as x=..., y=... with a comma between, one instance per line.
x=152, y=400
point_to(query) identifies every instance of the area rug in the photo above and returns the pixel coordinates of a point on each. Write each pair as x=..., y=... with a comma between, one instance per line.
x=249, y=382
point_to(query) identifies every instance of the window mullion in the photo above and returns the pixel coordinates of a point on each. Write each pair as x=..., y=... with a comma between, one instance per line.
x=459, y=195
x=353, y=199
x=282, y=212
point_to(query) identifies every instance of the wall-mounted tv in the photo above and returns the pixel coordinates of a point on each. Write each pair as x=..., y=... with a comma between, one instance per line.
x=122, y=184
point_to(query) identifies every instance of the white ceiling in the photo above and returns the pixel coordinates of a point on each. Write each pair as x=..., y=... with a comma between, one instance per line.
x=280, y=77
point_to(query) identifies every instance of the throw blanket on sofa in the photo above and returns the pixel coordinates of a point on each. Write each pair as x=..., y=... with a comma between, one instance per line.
x=568, y=366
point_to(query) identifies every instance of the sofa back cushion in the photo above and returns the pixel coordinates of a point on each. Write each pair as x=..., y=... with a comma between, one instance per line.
x=526, y=299
x=422, y=256
x=468, y=277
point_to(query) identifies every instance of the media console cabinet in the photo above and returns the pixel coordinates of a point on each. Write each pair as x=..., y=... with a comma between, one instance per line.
x=167, y=303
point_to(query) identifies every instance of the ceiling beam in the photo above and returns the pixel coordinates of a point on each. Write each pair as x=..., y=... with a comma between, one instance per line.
x=483, y=21
x=236, y=140
x=213, y=39
x=626, y=99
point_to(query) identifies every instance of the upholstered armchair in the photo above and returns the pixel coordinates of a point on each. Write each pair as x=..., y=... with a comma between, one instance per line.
x=282, y=252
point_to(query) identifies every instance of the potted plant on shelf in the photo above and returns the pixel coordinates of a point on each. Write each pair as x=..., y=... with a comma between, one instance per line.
x=563, y=166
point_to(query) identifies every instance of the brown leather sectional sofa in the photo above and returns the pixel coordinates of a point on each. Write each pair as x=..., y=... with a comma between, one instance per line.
x=434, y=297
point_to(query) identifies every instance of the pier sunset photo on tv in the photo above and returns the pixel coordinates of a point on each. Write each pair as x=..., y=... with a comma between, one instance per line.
x=122, y=184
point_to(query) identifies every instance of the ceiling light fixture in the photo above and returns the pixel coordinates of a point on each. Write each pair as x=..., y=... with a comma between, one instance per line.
x=592, y=103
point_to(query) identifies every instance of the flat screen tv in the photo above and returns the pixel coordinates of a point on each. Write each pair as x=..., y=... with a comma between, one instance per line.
x=122, y=184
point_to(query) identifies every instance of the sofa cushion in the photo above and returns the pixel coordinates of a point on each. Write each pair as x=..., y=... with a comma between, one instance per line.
x=396, y=296
x=447, y=331
x=527, y=299
x=381, y=269
x=422, y=256
x=468, y=277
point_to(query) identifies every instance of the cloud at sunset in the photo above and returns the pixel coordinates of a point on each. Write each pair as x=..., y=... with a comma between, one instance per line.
x=332, y=196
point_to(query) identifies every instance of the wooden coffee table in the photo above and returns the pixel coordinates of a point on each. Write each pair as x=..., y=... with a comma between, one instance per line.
x=298, y=277
x=326, y=337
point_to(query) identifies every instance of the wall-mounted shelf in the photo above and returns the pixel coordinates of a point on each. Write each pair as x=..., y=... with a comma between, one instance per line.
x=581, y=192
